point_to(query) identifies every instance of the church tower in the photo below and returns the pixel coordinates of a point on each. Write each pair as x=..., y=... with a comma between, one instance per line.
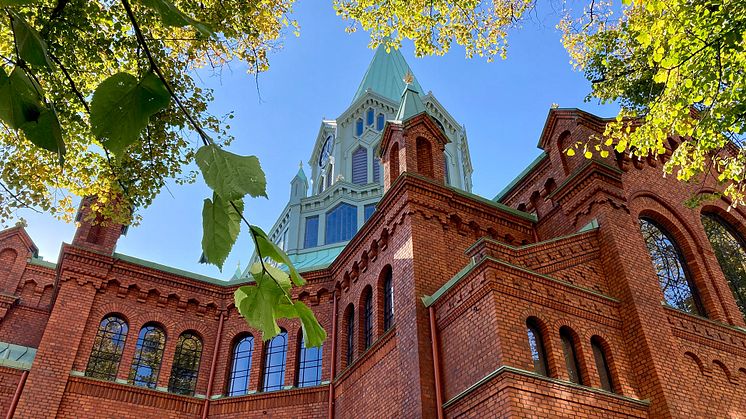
x=347, y=176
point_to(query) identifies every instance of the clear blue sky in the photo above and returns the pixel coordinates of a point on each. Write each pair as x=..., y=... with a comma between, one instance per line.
x=502, y=104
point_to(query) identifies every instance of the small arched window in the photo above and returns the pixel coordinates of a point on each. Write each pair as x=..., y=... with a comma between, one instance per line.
x=536, y=345
x=309, y=365
x=678, y=290
x=360, y=166
x=602, y=364
x=569, y=351
x=350, y=353
x=107, y=348
x=146, y=364
x=243, y=349
x=185, y=369
x=380, y=122
x=388, y=299
x=368, y=319
x=369, y=116
x=273, y=377
x=359, y=127
x=731, y=255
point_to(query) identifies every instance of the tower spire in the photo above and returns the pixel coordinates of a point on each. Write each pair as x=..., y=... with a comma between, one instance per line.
x=385, y=75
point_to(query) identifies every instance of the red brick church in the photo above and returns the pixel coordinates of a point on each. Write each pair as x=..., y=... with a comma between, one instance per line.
x=586, y=288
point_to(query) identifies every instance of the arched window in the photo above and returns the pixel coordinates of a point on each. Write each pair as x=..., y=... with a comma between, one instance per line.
x=309, y=365
x=148, y=356
x=360, y=166
x=243, y=349
x=602, y=365
x=380, y=122
x=350, y=318
x=678, y=290
x=394, y=162
x=571, y=357
x=359, y=127
x=424, y=157
x=341, y=223
x=369, y=116
x=368, y=319
x=107, y=348
x=731, y=254
x=388, y=299
x=273, y=377
x=536, y=345
x=185, y=369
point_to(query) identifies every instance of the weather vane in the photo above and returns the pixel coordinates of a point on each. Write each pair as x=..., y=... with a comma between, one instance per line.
x=409, y=77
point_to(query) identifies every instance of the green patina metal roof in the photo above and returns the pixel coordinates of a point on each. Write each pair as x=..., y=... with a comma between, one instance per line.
x=317, y=259
x=520, y=177
x=385, y=75
x=16, y=356
x=301, y=174
x=175, y=271
x=411, y=104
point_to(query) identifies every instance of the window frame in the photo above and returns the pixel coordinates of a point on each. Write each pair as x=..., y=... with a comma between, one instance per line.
x=193, y=372
x=537, y=347
x=388, y=298
x=570, y=354
x=233, y=376
x=139, y=361
x=305, y=364
x=98, y=355
x=738, y=290
x=601, y=359
x=269, y=369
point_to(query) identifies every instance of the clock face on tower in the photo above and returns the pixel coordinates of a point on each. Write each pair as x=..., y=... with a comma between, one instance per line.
x=326, y=151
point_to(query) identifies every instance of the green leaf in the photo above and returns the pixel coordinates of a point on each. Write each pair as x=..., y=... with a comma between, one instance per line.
x=313, y=334
x=122, y=106
x=46, y=133
x=230, y=175
x=19, y=99
x=221, y=224
x=11, y=3
x=31, y=47
x=171, y=16
x=257, y=303
x=267, y=248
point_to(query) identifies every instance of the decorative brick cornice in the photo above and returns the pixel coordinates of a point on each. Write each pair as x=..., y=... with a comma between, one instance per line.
x=707, y=332
x=593, y=183
x=271, y=400
x=107, y=390
x=6, y=302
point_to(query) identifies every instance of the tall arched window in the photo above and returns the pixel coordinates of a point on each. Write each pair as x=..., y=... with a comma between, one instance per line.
x=368, y=319
x=388, y=299
x=107, y=348
x=359, y=127
x=602, y=365
x=185, y=369
x=146, y=364
x=571, y=357
x=678, y=290
x=369, y=116
x=536, y=345
x=424, y=157
x=376, y=169
x=360, y=166
x=273, y=377
x=243, y=349
x=350, y=349
x=380, y=122
x=731, y=254
x=309, y=365
x=394, y=162
x=341, y=223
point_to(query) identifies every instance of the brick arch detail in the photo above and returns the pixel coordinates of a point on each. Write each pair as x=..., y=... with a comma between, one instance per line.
x=703, y=368
x=612, y=361
x=577, y=332
x=547, y=336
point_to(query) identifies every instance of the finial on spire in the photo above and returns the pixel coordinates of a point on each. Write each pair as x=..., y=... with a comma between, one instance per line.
x=300, y=165
x=408, y=78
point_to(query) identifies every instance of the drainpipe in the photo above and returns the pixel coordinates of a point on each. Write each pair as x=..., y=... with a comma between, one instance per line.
x=206, y=407
x=17, y=395
x=436, y=362
x=333, y=372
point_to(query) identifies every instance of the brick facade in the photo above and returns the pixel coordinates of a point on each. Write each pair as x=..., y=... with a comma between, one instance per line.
x=561, y=247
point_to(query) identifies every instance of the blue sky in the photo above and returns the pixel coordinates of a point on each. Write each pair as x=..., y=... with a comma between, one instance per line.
x=502, y=104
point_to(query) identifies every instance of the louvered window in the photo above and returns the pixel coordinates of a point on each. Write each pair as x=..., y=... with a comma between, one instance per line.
x=376, y=170
x=360, y=166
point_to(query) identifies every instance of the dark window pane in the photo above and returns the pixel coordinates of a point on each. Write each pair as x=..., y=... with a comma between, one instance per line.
x=148, y=355
x=368, y=210
x=601, y=365
x=350, y=336
x=445, y=168
x=360, y=166
x=184, y=372
x=536, y=344
x=341, y=223
x=309, y=366
x=729, y=250
x=368, y=320
x=678, y=291
x=571, y=359
x=107, y=349
x=311, y=237
x=380, y=121
x=274, y=363
x=388, y=300
x=241, y=369
x=359, y=127
x=376, y=170
x=369, y=117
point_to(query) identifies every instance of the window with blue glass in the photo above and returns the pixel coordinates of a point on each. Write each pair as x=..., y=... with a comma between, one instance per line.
x=148, y=355
x=368, y=210
x=241, y=366
x=273, y=377
x=380, y=122
x=360, y=166
x=369, y=116
x=341, y=223
x=107, y=348
x=359, y=127
x=311, y=237
x=309, y=365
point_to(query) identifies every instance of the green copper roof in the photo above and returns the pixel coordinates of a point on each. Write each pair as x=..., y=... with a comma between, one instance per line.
x=385, y=75
x=411, y=104
x=317, y=259
x=301, y=174
x=16, y=356
x=520, y=177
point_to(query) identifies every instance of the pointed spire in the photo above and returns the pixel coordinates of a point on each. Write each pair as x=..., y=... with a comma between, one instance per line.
x=385, y=75
x=238, y=273
x=411, y=103
x=301, y=174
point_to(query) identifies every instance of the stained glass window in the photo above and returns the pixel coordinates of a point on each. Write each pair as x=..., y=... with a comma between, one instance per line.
x=571, y=358
x=146, y=364
x=669, y=264
x=388, y=299
x=729, y=250
x=185, y=369
x=309, y=365
x=602, y=366
x=243, y=349
x=536, y=345
x=341, y=223
x=273, y=377
x=107, y=348
x=368, y=320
